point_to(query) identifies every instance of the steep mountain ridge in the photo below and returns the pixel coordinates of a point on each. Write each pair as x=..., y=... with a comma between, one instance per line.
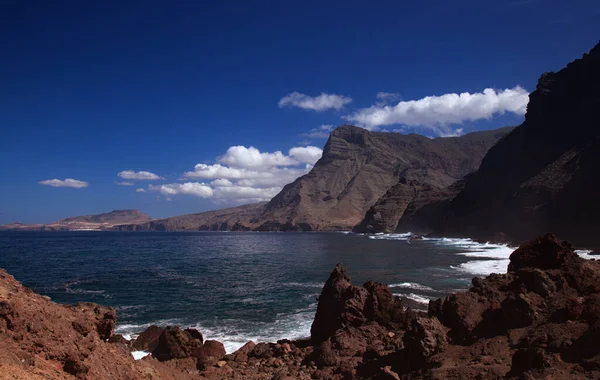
x=544, y=175
x=358, y=167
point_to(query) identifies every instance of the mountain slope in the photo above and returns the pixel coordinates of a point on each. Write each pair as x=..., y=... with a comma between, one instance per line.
x=544, y=175
x=228, y=219
x=358, y=167
x=92, y=222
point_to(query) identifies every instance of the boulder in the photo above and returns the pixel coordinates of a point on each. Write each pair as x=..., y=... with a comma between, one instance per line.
x=545, y=252
x=210, y=349
x=241, y=355
x=175, y=343
x=262, y=351
x=147, y=340
x=425, y=338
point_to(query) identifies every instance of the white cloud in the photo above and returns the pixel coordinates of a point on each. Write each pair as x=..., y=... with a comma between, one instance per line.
x=455, y=133
x=221, y=182
x=217, y=171
x=140, y=190
x=242, y=157
x=244, y=175
x=306, y=154
x=125, y=183
x=201, y=190
x=435, y=113
x=141, y=175
x=67, y=182
x=314, y=103
x=388, y=96
x=320, y=133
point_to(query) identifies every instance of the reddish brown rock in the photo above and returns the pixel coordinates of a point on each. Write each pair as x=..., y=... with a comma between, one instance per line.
x=147, y=340
x=175, y=343
x=209, y=353
x=546, y=252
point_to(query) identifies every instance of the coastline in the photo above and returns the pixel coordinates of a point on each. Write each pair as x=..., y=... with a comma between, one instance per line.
x=440, y=343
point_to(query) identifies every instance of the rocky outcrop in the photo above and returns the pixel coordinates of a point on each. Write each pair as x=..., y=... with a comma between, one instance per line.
x=543, y=175
x=342, y=305
x=43, y=340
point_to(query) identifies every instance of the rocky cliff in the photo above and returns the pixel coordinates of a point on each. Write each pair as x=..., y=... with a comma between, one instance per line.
x=539, y=320
x=543, y=176
x=358, y=167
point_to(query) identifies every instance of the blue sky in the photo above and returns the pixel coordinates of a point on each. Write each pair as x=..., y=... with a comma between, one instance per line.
x=92, y=89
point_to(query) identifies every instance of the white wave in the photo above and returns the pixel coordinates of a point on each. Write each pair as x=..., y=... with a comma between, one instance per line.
x=137, y=355
x=586, y=254
x=318, y=285
x=483, y=267
x=500, y=253
x=412, y=285
x=235, y=333
x=382, y=236
x=415, y=297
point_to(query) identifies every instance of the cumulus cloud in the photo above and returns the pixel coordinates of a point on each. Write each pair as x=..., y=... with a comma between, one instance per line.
x=245, y=174
x=140, y=176
x=306, y=154
x=201, y=190
x=320, y=133
x=125, y=183
x=140, y=190
x=221, y=182
x=67, y=182
x=435, y=113
x=242, y=157
x=314, y=103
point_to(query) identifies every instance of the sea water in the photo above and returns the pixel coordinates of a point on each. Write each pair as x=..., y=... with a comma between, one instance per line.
x=235, y=287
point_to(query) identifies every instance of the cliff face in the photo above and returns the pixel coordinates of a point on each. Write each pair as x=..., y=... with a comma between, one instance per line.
x=544, y=175
x=358, y=167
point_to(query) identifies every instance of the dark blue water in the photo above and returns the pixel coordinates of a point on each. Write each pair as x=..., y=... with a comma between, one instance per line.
x=233, y=286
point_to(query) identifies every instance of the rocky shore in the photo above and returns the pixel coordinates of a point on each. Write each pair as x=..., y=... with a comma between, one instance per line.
x=539, y=320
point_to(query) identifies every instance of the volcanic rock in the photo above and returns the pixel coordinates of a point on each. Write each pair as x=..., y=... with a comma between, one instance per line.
x=147, y=340
x=175, y=343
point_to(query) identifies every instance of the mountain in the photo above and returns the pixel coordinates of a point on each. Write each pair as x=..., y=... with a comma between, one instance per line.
x=229, y=219
x=86, y=222
x=543, y=176
x=358, y=167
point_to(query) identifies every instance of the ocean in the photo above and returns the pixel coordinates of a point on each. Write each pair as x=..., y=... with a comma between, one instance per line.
x=235, y=287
